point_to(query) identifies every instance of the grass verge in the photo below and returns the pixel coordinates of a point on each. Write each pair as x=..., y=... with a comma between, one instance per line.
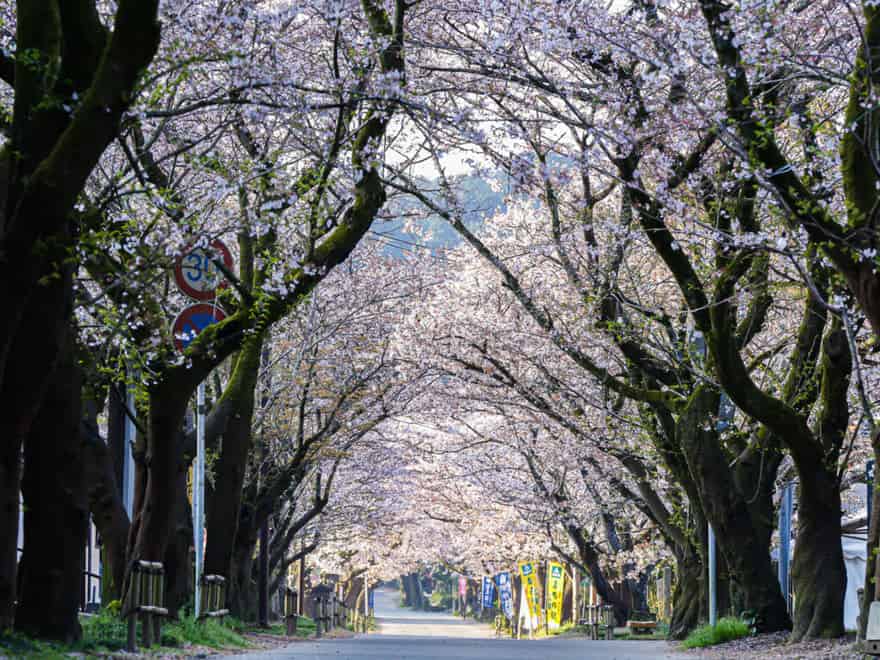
x=726, y=630
x=105, y=632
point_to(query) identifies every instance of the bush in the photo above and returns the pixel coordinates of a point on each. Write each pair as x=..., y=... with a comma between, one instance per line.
x=727, y=629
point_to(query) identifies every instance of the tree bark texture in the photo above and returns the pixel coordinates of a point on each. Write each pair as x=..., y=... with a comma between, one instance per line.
x=56, y=513
x=106, y=507
x=224, y=505
x=44, y=337
x=748, y=560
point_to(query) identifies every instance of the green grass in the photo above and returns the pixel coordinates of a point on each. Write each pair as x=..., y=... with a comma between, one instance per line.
x=304, y=627
x=727, y=629
x=209, y=633
x=15, y=645
x=104, y=632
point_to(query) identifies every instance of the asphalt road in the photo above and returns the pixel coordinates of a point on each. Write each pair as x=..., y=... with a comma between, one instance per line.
x=408, y=635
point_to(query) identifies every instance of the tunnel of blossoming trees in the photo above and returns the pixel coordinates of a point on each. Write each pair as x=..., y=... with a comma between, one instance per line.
x=349, y=291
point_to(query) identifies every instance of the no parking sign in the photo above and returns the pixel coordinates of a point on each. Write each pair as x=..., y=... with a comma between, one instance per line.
x=192, y=320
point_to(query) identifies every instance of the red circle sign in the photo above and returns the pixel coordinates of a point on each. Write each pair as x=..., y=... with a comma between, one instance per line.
x=192, y=320
x=196, y=273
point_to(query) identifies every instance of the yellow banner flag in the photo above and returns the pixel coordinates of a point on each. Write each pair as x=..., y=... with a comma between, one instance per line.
x=555, y=589
x=530, y=587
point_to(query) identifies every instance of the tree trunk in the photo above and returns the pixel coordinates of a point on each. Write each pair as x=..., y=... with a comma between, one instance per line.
x=818, y=571
x=241, y=593
x=690, y=596
x=161, y=470
x=108, y=512
x=43, y=335
x=872, y=566
x=178, y=556
x=225, y=502
x=56, y=512
x=739, y=542
x=10, y=483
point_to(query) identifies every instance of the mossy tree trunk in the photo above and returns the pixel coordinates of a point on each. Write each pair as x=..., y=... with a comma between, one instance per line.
x=747, y=558
x=225, y=504
x=818, y=570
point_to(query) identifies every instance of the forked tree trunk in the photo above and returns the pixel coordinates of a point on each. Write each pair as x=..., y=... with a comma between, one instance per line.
x=56, y=513
x=739, y=540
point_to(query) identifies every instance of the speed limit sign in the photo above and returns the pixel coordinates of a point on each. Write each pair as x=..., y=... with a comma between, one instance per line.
x=196, y=272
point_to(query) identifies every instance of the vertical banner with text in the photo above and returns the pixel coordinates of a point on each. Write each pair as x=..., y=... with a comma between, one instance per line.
x=505, y=594
x=488, y=593
x=530, y=589
x=462, y=586
x=555, y=588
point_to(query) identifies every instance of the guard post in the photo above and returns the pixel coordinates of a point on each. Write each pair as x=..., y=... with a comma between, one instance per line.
x=213, y=597
x=322, y=608
x=145, y=598
x=291, y=603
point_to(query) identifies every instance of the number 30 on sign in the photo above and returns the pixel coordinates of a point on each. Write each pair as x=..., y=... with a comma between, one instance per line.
x=196, y=273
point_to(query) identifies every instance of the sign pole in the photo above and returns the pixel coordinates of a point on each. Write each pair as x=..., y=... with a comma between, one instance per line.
x=785, y=511
x=713, y=576
x=199, y=493
x=128, y=451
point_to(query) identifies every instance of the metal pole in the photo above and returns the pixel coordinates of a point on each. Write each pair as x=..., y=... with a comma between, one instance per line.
x=263, y=577
x=199, y=495
x=713, y=578
x=129, y=431
x=869, y=489
x=785, y=511
x=302, y=582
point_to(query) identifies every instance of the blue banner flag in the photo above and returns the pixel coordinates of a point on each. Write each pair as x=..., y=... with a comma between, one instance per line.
x=505, y=594
x=488, y=593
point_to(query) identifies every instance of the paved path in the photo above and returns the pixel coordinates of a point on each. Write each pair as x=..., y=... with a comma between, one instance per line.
x=408, y=635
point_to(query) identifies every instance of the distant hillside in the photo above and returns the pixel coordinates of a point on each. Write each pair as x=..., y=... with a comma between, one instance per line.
x=434, y=232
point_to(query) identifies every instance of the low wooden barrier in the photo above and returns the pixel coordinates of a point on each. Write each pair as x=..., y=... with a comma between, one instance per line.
x=213, y=597
x=291, y=609
x=145, y=598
